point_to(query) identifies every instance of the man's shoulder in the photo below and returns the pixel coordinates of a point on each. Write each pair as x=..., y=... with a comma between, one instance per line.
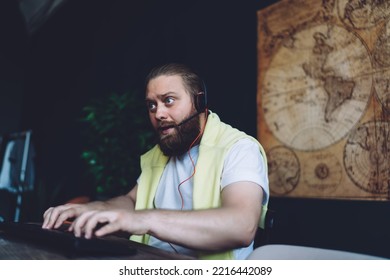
x=221, y=133
x=230, y=136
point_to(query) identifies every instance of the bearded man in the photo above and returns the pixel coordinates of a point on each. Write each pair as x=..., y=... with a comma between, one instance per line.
x=203, y=189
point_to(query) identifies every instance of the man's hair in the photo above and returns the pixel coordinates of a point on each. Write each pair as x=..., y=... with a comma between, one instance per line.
x=192, y=81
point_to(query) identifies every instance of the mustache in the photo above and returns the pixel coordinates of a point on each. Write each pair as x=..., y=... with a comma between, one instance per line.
x=166, y=125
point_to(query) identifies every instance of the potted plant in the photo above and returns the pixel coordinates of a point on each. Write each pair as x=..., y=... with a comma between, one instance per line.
x=117, y=132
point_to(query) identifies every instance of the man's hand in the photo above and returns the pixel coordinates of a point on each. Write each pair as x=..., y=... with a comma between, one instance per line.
x=54, y=217
x=101, y=223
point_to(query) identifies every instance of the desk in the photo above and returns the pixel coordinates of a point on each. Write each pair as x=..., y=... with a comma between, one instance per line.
x=12, y=248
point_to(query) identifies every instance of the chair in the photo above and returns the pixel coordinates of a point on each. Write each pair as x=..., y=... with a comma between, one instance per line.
x=263, y=235
x=293, y=252
x=17, y=170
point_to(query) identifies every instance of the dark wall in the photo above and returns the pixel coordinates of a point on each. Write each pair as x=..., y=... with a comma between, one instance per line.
x=357, y=226
x=13, y=51
x=93, y=47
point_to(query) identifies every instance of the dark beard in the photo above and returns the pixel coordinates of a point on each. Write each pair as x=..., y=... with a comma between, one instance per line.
x=179, y=142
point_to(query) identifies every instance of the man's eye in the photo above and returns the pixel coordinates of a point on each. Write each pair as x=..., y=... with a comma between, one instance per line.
x=151, y=106
x=169, y=100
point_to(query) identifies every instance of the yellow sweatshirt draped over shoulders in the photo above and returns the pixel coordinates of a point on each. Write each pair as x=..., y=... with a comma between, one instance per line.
x=218, y=138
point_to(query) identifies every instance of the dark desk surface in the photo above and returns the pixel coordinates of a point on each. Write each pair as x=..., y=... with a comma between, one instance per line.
x=12, y=248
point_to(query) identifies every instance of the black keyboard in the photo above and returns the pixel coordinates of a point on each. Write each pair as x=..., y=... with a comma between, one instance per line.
x=65, y=241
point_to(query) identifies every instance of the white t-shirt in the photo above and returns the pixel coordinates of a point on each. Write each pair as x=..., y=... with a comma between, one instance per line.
x=244, y=162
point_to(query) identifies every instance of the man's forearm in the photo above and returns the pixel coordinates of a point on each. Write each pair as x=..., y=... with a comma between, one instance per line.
x=120, y=202
x=212, y=229
x=232, y=225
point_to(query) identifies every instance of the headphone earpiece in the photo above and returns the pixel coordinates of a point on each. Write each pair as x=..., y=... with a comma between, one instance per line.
x=201, y=100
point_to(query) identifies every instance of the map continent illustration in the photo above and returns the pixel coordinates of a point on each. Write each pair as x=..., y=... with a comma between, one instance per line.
x=324, y=97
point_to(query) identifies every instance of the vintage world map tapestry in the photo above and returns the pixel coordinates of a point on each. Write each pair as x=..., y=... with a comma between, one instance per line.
x=323, y=98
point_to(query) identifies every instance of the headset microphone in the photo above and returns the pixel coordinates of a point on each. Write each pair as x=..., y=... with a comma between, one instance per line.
x=183, y=121
x=188, y=119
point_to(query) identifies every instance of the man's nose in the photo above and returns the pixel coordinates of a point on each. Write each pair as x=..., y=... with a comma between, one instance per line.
x=161, y=113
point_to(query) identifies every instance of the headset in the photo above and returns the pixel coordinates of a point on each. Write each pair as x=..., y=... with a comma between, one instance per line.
x=201, y=99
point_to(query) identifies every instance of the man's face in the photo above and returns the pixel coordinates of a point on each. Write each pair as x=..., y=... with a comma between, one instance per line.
x=169, y=104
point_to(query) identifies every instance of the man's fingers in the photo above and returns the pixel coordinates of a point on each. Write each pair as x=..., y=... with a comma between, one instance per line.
x=78, y=225
x=54, y=217
x=107, y=229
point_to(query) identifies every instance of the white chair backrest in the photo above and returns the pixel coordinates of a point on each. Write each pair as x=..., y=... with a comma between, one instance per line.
x=293, y=252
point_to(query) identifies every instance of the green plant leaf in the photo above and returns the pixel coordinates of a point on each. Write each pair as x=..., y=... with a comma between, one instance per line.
x=117, y=131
